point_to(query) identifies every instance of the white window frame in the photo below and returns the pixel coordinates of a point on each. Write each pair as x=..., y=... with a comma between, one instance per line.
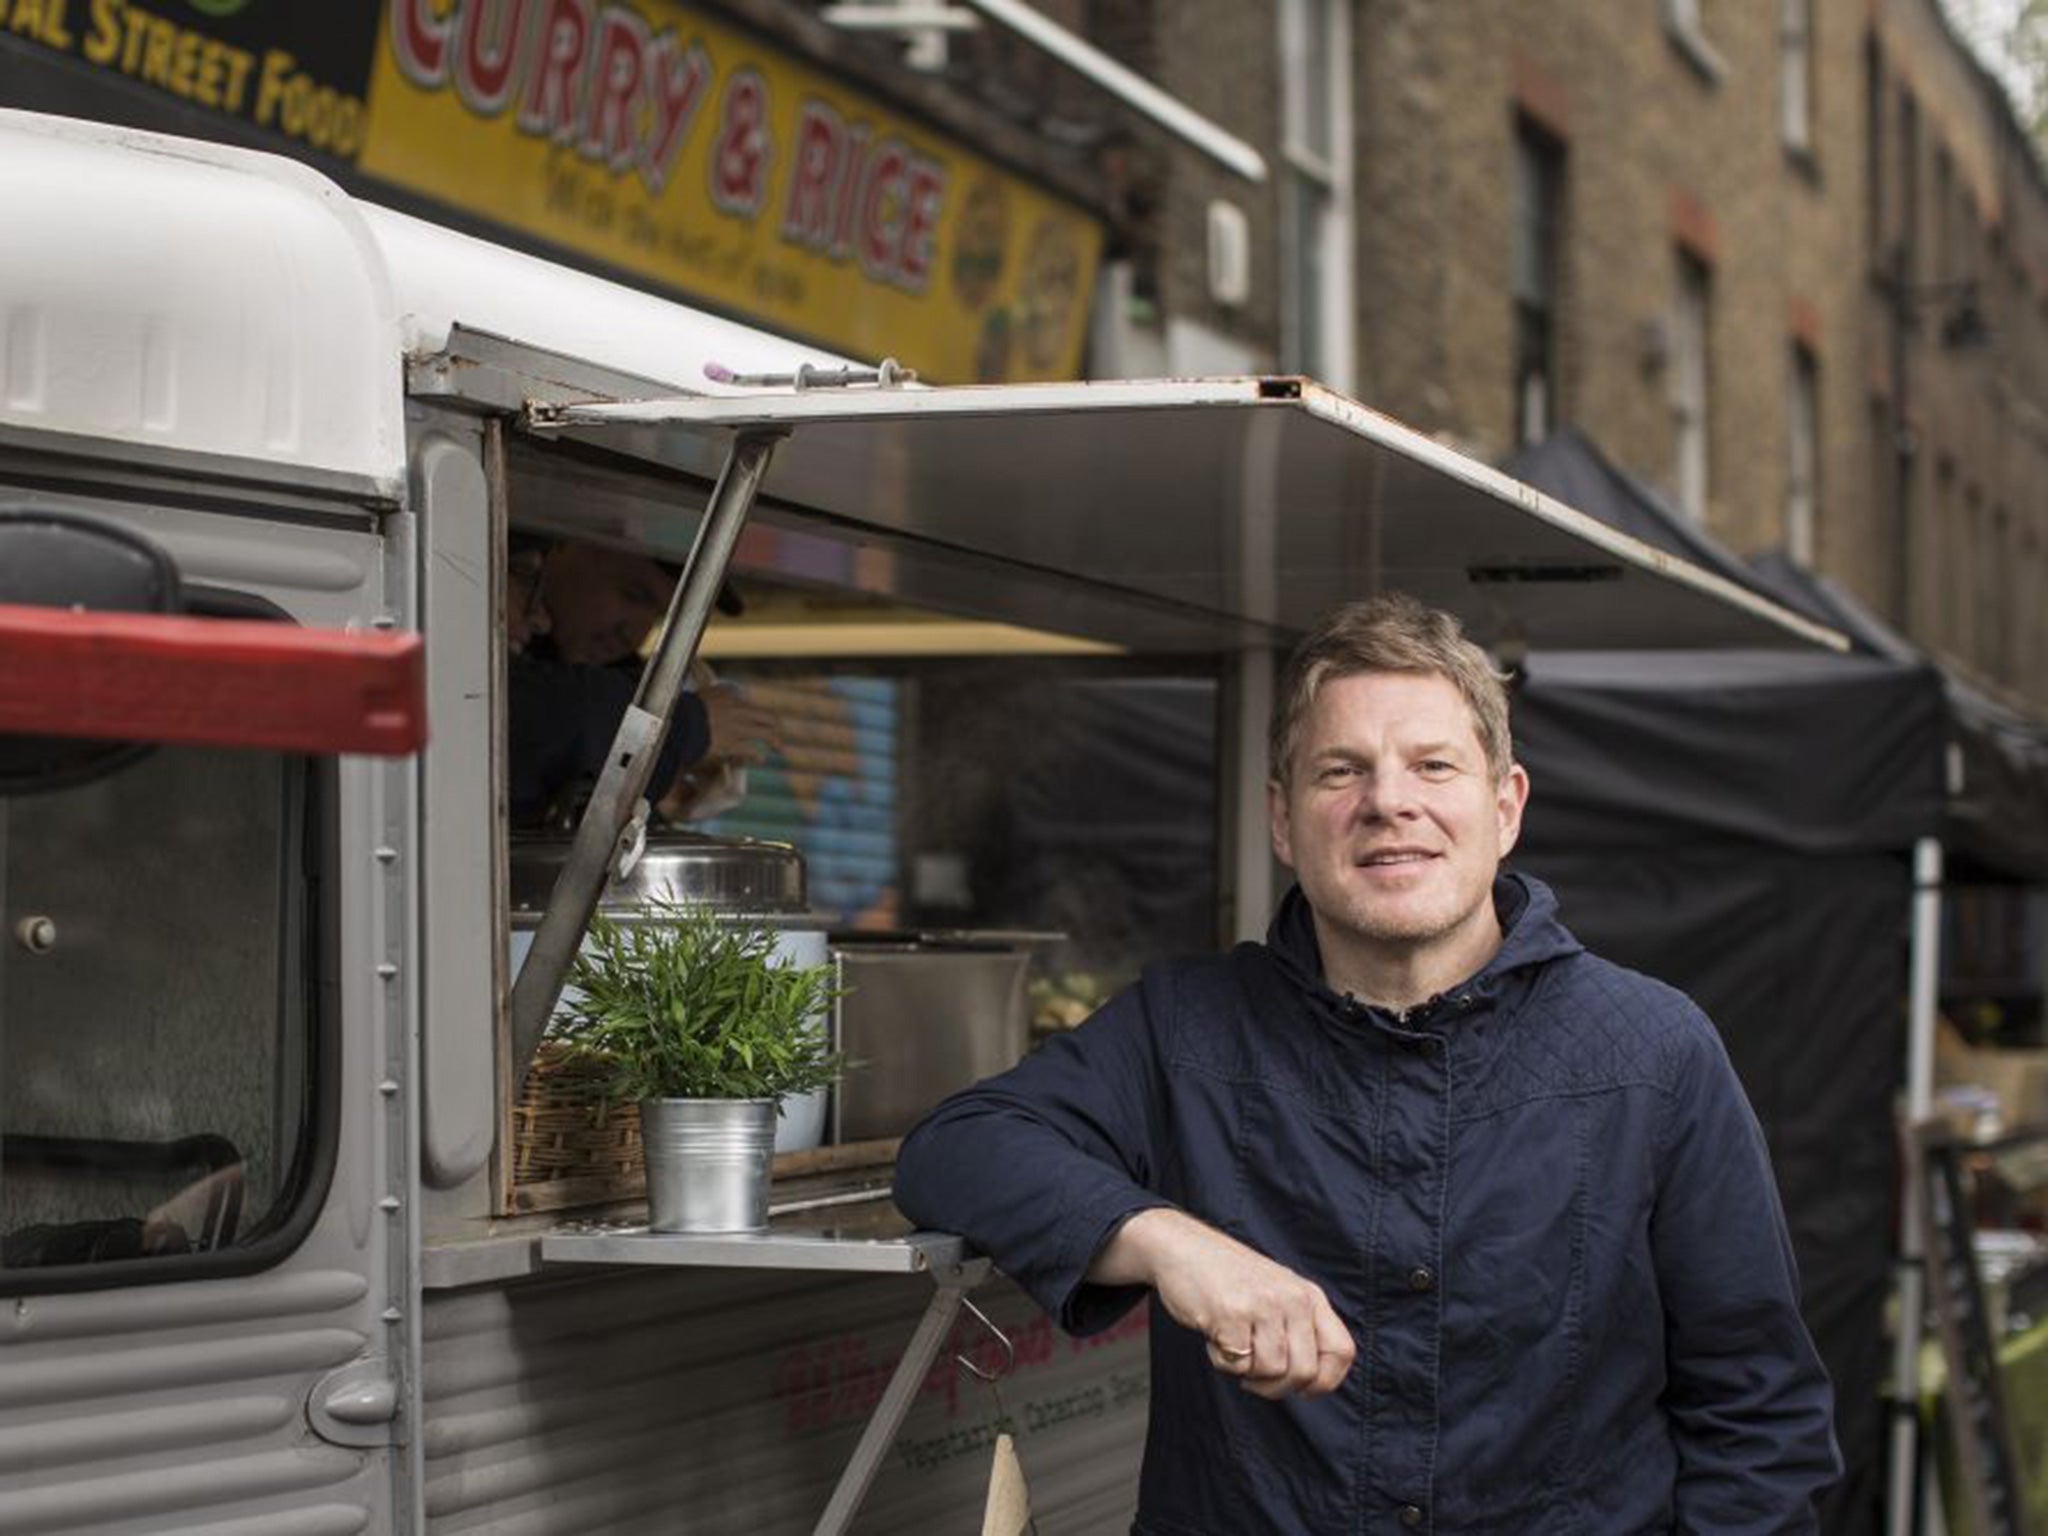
x=1802, y=443
x=1318, y=330
x=1691, y=382
x=1795, y=74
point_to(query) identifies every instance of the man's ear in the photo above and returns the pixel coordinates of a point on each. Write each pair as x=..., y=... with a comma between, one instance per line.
x=1276, y=815
x=1511, y=798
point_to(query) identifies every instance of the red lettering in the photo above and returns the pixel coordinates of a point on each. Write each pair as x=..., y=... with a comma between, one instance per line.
x=419, y=38
x=859, y=1385
x=881, y=210
x=1035, y=1343
x=853, y=180
x=609, y=129
x=813, y=177
x=558, y=72
x=676, y=81
x=739, y=159
x=488, y=50
x=923, y=198
x=803, y=1382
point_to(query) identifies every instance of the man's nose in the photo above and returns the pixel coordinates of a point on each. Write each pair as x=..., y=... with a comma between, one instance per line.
x=1385, y=797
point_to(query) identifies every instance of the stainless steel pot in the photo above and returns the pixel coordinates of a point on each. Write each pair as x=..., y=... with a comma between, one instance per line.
x=739, y=878
x=922, y=1015
x=742, y=876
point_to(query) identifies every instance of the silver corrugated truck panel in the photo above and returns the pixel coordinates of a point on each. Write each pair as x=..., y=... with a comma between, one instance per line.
x=622, y=1400
x=178, y=1407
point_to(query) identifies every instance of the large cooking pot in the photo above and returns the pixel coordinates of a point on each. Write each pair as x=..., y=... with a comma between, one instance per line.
x=743, y=879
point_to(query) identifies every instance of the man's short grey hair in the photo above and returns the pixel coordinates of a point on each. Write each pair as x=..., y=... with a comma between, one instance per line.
x=1391, y=633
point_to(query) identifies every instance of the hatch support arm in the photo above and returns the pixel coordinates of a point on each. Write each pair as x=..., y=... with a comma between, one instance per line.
x=614, y=804
x=879, y=1434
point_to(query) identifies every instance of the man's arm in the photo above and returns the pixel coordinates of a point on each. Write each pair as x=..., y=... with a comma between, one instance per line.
x=1040, y=1166
x=1051, y=1169
x=1750, y=1407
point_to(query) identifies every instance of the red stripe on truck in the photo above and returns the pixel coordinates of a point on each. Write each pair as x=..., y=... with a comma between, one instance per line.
x=210, y=682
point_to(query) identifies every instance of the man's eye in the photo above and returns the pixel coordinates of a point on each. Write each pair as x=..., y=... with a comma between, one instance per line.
x=1336, y=771
x=1437, y=767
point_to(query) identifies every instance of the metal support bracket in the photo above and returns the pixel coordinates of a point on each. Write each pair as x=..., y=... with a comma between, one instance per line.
x=630, y=763
x=933, y=1329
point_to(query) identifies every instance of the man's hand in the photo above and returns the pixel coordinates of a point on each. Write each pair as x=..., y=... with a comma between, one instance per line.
x=741, y=732
x=1265, y=1324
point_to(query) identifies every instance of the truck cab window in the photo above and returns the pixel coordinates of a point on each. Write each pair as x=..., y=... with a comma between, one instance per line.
x=157, y=1018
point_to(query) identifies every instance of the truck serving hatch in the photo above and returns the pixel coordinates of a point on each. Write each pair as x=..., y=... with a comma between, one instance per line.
x=1245, y=506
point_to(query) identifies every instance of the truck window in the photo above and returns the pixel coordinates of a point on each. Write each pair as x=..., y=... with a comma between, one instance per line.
x=157, y=1019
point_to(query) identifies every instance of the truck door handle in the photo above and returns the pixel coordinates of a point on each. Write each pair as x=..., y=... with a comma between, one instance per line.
x=356, y=1405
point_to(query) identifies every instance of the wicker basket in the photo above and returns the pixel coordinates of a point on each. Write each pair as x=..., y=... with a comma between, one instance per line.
x=568, y=1140
x=572, y=1146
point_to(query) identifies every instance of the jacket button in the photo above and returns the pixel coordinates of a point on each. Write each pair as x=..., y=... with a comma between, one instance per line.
x=1421, y=1279
x=1411, y=1516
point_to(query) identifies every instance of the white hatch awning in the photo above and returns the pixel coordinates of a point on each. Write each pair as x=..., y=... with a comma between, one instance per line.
x=1251, y=504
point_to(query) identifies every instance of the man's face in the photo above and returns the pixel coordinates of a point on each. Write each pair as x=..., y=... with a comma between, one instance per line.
x=1391, y=817
x=602, y=603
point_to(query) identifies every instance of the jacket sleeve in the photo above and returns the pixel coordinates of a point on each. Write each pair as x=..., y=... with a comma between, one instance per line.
x=1040, y=1166
x=1749, y=1403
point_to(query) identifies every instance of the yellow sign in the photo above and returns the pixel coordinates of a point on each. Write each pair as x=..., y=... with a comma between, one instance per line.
x=663, y=143
x=295, y=73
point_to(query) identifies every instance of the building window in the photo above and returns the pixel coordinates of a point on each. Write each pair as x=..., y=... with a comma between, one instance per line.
x=1689, y=383
x=1944, y=192
x=1802, y=441
x=1795, y=74
x=2000, y=600
x=1315, y=189
x=1873, y=149
x=1909, y=187
x=1538, y=220
x=1946, y=585
x=1892, y=498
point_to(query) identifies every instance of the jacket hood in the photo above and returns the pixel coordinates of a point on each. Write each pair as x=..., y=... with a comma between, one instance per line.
x=1531, y=933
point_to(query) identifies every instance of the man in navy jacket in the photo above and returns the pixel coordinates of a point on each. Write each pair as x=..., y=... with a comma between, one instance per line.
x=1451, y=1225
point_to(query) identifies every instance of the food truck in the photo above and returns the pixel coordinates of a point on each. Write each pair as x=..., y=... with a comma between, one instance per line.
x=266, y=1260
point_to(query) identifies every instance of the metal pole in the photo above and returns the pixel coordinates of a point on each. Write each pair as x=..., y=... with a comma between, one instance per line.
x=1912, y=1276
x=614, y=803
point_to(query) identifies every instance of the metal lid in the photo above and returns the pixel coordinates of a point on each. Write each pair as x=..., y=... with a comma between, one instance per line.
x=727, y=874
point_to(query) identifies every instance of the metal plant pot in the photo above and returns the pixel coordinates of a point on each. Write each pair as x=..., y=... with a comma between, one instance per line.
x=707, y=1163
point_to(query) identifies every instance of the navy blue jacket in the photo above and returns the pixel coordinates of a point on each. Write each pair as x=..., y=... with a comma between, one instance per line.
x=1540, y=1203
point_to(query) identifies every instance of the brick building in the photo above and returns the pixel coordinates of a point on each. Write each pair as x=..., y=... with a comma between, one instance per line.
x=1788, y=263
x=1955, y=347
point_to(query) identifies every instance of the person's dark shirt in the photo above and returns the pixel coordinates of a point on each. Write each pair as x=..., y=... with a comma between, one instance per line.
x=561, y=718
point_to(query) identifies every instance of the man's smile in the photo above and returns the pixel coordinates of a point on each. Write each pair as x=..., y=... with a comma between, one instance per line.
x=1389, y=858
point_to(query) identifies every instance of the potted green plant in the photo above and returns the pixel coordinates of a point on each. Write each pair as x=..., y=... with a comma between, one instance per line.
x=688, y=1014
